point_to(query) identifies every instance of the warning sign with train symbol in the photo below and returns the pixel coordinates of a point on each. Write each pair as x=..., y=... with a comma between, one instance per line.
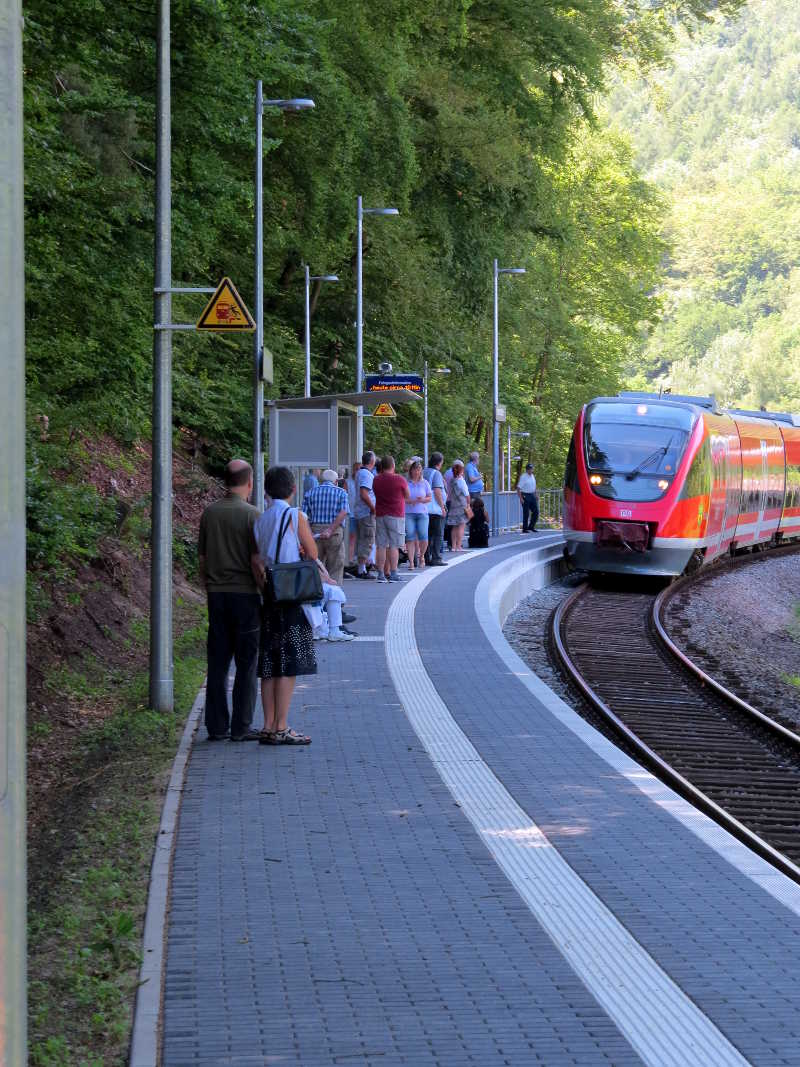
x=386, y=410
x=226, y=311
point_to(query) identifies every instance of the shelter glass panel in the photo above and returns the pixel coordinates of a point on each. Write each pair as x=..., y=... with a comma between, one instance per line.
x=303, y=438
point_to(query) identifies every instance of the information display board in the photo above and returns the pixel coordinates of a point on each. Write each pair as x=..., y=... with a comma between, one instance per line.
x=413, y=382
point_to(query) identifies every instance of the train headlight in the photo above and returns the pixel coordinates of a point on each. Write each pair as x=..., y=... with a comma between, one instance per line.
x=596, y=479
x=641, y=409
x=663, y=484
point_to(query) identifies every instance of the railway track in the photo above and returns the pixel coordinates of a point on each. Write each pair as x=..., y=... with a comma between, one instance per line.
x=727, y=758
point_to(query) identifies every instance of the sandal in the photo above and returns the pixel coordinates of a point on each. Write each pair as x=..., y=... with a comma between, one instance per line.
x=290, y=737
x=267, y=737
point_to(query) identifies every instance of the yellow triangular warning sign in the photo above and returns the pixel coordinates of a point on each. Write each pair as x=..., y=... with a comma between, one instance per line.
x=385, y=409
x=226, y=312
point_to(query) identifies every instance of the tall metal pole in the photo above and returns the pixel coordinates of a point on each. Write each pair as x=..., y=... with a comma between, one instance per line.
x=359, y=325
x=258, y=289
x=307, y=391
x=495, y=402
x=425, y=394
x=161, y=683
x=509, y=456
x=13, y=1022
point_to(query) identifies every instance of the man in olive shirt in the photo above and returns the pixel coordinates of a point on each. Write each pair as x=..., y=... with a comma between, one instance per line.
x=225, y=546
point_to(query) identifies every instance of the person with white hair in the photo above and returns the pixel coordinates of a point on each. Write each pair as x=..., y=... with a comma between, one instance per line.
x=473, y=476
x=328, y=509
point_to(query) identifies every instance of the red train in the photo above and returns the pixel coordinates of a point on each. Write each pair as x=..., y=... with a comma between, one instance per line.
x=658, y=484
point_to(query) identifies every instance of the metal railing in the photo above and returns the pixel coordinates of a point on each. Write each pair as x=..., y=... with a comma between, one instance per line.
x=509, y=509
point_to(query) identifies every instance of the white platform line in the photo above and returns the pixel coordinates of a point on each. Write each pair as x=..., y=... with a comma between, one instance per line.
x=661, y=1023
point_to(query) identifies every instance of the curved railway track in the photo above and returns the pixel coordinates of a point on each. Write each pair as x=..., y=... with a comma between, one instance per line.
x=727, y=758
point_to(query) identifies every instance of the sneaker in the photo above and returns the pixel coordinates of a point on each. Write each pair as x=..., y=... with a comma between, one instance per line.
x=346, y=631
x=438, y=563
x=382, y=579
x=218, y=737
x=340, y=635
x=365, y=576
x=348, y=618
x=394, y=577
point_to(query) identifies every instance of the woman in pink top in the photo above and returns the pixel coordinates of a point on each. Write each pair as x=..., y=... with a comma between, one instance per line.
x=419, y=492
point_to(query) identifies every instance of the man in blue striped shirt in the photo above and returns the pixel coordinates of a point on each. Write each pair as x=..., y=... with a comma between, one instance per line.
x=327, y=508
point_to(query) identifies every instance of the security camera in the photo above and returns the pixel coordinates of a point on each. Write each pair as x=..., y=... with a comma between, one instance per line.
x=385, y=368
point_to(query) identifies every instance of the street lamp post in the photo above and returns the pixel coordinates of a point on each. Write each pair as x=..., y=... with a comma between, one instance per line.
x=309, y=279
x=515, y=433
x=299, y=104
x=496, y=394
x=161, y=669
x=361, y=211
x=436, y=370
x=13, y=1018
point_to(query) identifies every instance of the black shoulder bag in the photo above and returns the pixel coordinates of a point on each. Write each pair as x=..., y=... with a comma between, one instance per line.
x=293, y=583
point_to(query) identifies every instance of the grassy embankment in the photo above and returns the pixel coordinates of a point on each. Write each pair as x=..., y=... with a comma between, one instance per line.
x=98, y=757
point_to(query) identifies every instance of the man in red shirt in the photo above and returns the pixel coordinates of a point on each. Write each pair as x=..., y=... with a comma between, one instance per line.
x=391, y=494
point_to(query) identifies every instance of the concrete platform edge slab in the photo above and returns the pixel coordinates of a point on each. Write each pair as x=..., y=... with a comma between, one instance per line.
x=145, y=1034
x=665, y=1028
x=497, y=595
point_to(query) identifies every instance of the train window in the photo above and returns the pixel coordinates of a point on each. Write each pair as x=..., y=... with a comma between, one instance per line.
x=633, y=451
x=792, y=486
x=698, y=480
x=571, y=472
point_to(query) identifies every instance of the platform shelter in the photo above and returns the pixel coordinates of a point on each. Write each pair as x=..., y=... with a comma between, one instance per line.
x=321, y=431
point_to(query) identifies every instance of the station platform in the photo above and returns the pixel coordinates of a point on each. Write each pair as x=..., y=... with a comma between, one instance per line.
x=458, y=870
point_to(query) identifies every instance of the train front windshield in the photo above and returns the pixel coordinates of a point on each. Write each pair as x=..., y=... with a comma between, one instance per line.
x=632, y=451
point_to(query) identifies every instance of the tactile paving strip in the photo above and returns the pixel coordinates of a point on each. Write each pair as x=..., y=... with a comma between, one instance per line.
x=664, y=1026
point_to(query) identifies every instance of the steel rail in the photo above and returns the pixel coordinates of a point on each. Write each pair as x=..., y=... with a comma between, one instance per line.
x=782, y=732
x=652, y=759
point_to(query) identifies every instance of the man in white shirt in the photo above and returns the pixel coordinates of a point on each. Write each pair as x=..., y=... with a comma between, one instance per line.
x=526, y=490
x=365, y=513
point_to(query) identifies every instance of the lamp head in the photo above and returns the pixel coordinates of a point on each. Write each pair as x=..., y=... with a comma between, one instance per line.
x=325, y=278
x=380, y=211
x=294, y=104
x=512, y=270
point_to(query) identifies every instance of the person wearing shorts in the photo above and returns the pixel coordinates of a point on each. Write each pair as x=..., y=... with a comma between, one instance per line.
x=417, y=516
x=365, y=513
x=352, y=499
x=391, y=494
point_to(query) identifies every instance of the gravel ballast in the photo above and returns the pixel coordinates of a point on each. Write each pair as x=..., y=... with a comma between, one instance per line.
x=743, y=628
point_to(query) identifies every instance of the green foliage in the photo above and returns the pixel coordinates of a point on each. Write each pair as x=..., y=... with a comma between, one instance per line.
x=475, y=119
x=65, y=518
x=719, y=133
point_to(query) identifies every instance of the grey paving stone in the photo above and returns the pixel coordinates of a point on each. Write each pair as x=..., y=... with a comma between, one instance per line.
x=727, y=943
x=337, y=898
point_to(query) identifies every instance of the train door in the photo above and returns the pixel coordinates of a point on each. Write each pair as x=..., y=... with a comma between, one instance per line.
x=718, y=501
x=733, y=487
x=764, y=490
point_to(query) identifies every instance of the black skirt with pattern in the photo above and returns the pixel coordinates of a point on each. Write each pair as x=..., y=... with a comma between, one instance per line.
x=287, y=644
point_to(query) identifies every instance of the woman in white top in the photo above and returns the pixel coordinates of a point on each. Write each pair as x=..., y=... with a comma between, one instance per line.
x=417, y=515
x=287, y=646
x=352, y=500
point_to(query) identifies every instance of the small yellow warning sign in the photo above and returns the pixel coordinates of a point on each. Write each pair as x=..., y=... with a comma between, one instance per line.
x=226, y=311
x=386, y=410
